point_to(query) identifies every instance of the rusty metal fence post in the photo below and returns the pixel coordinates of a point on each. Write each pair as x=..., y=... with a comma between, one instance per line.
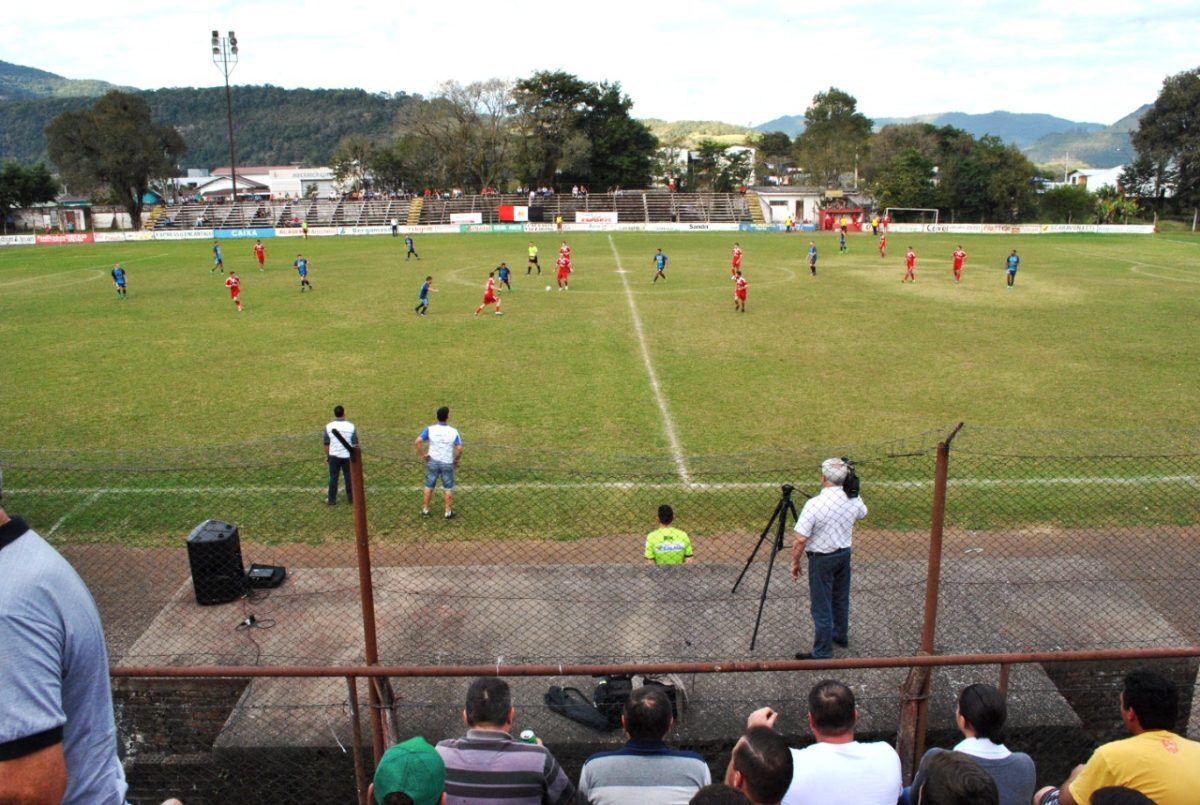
x=366, y=593
x=914, y=695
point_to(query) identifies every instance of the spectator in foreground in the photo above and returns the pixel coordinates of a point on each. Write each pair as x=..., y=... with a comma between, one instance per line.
x=645, y=770
x=980, y=715
x=1119, y=795
x=1154, y=761
x=837, y=769
x=409, y=773
x=58, y=737
x=953, y=778
x=719, y=794
x=667, y=545
x=760, y=765
x=488, y=765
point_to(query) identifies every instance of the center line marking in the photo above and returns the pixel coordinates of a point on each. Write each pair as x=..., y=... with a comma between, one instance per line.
x=668, y=422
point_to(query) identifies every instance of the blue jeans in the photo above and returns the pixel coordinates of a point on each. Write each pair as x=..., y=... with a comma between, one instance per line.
x=829, y=596
x=336, y=464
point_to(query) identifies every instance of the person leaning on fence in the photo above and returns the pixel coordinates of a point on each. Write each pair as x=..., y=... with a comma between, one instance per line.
x=645, y=770
x=440, y=447
x=409, y=773
x=489, y=766
x=667, y=545
x=953, y=778
x=1154, y=760
x=980, y=715
x=760, y=765
x=837, y=769
x=824, y=531
x=58, y=737
x=336, y=454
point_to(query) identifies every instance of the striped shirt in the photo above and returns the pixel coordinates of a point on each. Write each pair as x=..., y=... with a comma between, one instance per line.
x=488, y=767
x=645, y=772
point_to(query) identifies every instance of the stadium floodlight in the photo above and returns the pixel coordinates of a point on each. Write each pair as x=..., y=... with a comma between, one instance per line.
x=225, y=57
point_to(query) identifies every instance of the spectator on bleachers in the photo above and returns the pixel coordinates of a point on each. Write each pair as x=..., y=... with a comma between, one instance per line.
x=645, y=770
x=1154, y=760
x=58, y=736
x=980, y=716
x=719, y=794
x=953, y=778
x=489, y=764
x=409, y=773
x=837, y=769
x=760, y=765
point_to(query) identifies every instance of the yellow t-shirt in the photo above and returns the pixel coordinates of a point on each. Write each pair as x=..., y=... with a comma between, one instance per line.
x=1159, y=764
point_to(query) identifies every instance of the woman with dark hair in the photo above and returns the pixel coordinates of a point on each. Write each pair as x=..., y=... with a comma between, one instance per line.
x=980, y=716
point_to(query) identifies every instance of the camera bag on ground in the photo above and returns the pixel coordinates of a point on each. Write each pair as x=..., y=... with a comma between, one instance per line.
x=610, y=696
x=571, y=702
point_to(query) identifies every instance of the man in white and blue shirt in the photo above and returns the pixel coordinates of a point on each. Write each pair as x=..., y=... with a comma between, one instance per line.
x=336, y=454
x=440, y=447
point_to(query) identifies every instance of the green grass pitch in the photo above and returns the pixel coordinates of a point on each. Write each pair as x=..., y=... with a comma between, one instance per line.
x=1100, y=331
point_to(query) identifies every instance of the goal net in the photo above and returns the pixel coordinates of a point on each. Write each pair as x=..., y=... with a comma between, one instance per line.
x=911, y=215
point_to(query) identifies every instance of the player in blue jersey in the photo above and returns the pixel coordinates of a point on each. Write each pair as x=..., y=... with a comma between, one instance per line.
x=218, y=260
x=660, y=265
x=301, y=266
x=412, y=251
x=812, y=258
x=502, y=271
x=1010, y=268
x=423, y=297
x=118, y=275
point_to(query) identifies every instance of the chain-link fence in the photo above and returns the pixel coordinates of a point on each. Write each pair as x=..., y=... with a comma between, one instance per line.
x=1052, y=541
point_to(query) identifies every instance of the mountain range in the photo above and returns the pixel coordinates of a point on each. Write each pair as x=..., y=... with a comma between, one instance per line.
x=1043, y=138
x=279, y=126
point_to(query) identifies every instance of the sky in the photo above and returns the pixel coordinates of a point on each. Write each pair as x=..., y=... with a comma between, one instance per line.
x=738, y=61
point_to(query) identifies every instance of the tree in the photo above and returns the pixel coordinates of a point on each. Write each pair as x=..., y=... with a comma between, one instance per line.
x=1069, y=204
x=23, y=187
x=717, y=170
x=467, y=127
x=892, y=141
x=351, y=162
x=908, y=181
x=1168, y=135
x=835, y=135
x=621, y=147
x=114, y=148
x=1148, y=178
x=774, y=153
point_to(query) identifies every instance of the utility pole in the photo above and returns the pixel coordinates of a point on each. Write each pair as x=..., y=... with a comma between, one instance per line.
x=225, y=57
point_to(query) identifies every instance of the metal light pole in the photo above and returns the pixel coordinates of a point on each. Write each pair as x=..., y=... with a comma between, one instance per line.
x=225, y=57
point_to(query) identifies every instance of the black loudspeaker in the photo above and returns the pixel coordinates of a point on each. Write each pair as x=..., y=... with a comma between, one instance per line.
x=215, y=554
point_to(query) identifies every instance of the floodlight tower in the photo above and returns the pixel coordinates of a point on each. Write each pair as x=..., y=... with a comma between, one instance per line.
x=225, y=57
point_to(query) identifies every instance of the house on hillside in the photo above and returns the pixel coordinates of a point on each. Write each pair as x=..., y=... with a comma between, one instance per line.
x=1095, y=178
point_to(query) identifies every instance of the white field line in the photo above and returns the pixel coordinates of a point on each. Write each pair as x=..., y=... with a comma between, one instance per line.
x=963, y=483
x=668, y=422
x=75, y=510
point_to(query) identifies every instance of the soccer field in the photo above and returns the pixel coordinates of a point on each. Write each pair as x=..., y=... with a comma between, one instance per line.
x=1098, y=332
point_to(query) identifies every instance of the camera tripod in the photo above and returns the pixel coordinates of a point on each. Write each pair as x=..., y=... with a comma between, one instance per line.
x=779, y=522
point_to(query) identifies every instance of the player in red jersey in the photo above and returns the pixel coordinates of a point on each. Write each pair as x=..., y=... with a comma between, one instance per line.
x=490, y=297
x=565, y=251
x=260, y=254
x=960, y=257
x=883, y=245
x=739, y=291
x=564, y=271
x=235, y=289
x=737, y=262
x=910, y=265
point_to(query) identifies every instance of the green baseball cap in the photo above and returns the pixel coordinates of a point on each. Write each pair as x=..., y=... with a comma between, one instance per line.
x=414, y=768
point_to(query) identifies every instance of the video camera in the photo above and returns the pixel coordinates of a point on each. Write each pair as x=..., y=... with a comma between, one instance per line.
x=851, y=484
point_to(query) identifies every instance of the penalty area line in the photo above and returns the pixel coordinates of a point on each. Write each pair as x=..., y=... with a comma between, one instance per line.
x=655, y=386
x=79, y=507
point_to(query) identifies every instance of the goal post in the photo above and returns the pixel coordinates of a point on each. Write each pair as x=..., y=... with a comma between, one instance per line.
x=911, y=215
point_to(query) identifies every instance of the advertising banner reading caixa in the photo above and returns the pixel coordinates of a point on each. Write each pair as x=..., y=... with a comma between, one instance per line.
x=250, y=232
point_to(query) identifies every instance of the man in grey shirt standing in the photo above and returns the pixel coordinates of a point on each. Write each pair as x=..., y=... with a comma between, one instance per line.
x=58, y=738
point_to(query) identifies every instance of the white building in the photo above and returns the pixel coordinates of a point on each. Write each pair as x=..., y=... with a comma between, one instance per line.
x=1095, y=178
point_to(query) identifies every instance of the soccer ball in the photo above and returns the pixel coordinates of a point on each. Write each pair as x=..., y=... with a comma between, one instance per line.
x=547, y=287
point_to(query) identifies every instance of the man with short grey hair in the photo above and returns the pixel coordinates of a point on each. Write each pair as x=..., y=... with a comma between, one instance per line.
x=824, y=531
